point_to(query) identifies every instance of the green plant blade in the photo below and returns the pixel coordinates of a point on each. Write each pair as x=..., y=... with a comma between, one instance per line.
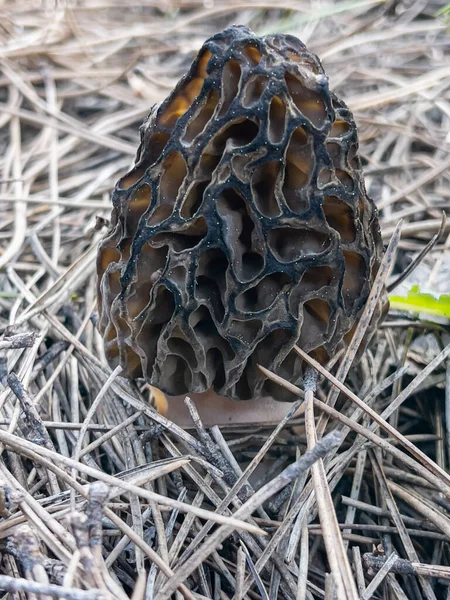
x=419, y=302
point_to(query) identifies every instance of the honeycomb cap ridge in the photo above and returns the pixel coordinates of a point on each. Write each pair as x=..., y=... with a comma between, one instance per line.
x=243, y=228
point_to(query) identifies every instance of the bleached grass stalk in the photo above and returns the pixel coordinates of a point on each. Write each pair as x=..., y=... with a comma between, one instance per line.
x=336, y=553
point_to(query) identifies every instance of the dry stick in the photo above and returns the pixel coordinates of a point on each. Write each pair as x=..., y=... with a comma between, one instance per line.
x=203, y=485
x=107, y=429
x=336, y=554
x=423, y=507
x=299, y=509
x=90, y=414
x=54, y=296
x=240, y=574
x=379, y=98
x=98, y=495
x=303, y=562
x=13, y=584
x=111, y=515
x=365, y=432
x=234, y=490
x=418, y=259
x=417, y=227
x=413, y=385
x=20, y=207
x=30, y=555
x=72, y=569
x=294, y=470
x=395, y=516
x=186, y=526
x=359, y=573
x=49, y=528
x=50, y=355
x=52, y=101
x=355, y=489
x=447, y=410
x=160, y=419
x=208, y=448
x=26, y=448
x=151, y=554
x=406, y=567
x=380, y=512
x=80, y=131
x=274, y=557
x=422, y=180
x=364, y=321
x=109, y=434
x=121, y=390
x=124, y=541
x=254, y=573
x=296, y=529
x=167, y=534
x=34, y=422
x=55, y=116
x=19, y=341
x=60, y=366
x=282, y=529
x=67, y=202
x=397, y=590
x=418, y=454
x=355, y=415
x=331, y=592
x=92, y=575
x=378, y=579
x=139, y=588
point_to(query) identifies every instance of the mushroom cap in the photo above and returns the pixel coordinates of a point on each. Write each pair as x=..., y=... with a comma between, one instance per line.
x=244, y=227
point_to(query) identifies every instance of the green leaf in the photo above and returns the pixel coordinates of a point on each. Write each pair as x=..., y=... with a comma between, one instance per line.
x=418, y=302
x=445, y=10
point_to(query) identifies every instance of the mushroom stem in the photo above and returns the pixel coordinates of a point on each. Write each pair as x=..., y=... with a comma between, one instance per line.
x=219, y=410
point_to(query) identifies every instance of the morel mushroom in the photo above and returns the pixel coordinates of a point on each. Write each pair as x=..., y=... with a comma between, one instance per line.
x=243, y=229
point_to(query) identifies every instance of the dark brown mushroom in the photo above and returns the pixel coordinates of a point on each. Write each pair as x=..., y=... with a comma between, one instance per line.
x=243, y=228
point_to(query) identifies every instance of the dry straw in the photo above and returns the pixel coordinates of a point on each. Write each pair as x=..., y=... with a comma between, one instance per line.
x=101, y=497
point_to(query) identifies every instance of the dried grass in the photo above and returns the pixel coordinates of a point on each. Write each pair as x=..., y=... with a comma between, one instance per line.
x=100, y=497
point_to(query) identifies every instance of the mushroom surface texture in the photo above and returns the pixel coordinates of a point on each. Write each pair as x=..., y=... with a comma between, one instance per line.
x=244, y=227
